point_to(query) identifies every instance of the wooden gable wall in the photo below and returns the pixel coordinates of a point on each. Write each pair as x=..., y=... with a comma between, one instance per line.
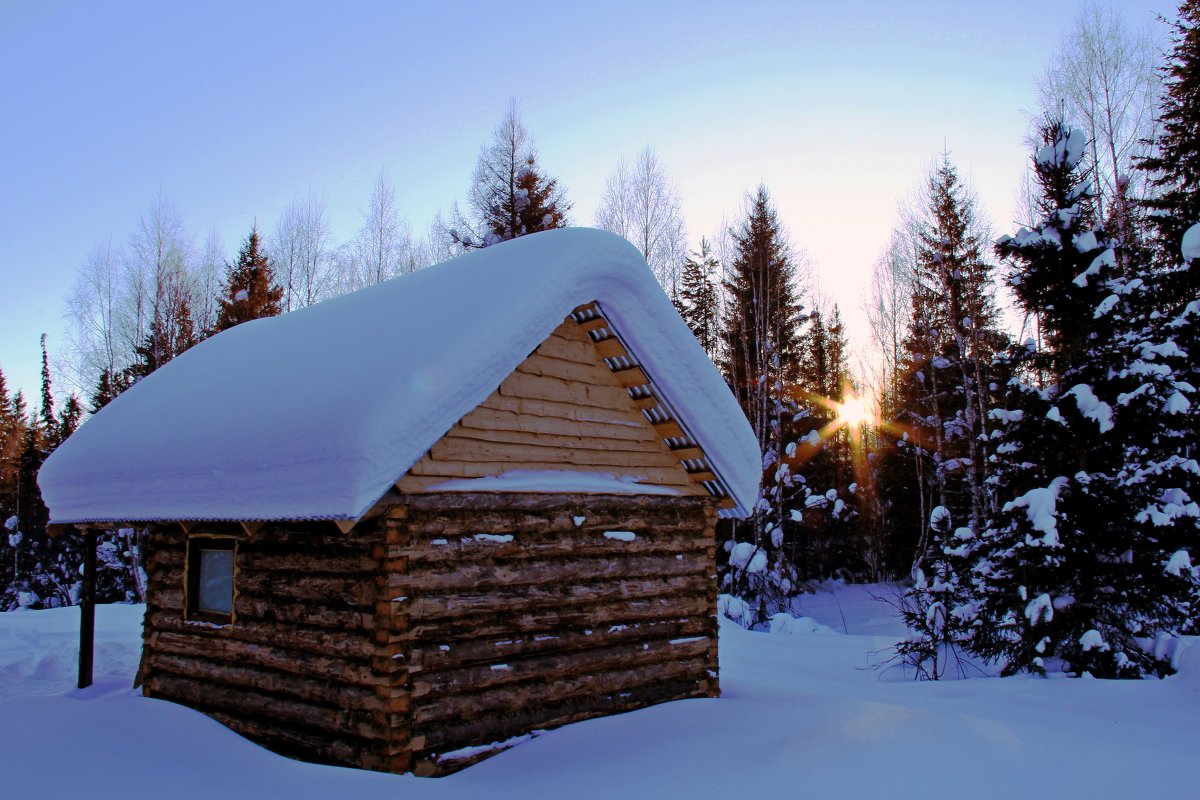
x=560, y=409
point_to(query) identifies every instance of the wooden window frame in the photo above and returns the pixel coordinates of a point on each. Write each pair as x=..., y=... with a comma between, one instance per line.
x=191, y=581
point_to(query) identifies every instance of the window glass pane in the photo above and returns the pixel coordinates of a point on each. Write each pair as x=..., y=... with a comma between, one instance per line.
x=216, y=581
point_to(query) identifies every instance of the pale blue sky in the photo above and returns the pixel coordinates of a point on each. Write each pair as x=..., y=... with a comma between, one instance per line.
x=230, y=109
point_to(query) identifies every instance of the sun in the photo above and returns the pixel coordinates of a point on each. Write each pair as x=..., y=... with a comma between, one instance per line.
x=853, y=413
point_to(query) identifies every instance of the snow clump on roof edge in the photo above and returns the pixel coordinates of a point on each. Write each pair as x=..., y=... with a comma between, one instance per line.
x=315, y=414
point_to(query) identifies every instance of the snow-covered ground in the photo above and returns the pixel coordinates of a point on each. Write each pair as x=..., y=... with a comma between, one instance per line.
x=802, y=714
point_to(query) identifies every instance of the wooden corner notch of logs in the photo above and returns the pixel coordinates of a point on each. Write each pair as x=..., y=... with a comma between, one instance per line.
x=630, y=374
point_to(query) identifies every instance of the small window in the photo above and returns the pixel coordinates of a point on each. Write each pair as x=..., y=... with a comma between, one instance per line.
x=210, y=580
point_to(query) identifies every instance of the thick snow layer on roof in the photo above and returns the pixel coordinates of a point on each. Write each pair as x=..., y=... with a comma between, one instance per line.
x=315, y=414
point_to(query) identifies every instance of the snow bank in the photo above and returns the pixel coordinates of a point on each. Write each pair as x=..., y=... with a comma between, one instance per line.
x=785, y=623
x=315, y=414
x=799, y=716
x=39, y=650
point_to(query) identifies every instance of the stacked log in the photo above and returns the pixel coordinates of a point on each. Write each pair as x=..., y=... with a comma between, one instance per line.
x=297, y=669
x=451, y=623
x=522, y=612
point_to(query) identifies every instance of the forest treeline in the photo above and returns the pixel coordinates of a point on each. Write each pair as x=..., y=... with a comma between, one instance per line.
x=1034, y=488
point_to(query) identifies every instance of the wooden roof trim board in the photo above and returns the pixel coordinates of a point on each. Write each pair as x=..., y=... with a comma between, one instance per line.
x=647, y=397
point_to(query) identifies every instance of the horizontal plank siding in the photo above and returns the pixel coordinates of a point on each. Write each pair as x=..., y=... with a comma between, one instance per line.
x=560, y=409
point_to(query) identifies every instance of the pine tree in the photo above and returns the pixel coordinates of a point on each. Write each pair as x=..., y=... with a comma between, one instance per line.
x=814, y=369
x=14, y=425
x=697, y=302
x=1086, y=564
x=250, y=291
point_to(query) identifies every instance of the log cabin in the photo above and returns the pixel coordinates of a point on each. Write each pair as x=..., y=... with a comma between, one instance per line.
x=405, y=528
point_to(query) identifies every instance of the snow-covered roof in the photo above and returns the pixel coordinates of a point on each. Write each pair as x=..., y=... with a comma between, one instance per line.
x=317, y=413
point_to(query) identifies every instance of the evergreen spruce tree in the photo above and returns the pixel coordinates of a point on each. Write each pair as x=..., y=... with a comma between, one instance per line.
x=814, y=369
x=7, y=450
x=68, y=419
x=761, y=347
x=161, y=345
x=510, y=194
x=250, y=291
x=13, y=422
x=937, y=610
x=825, y=529
x=47, y=578
x=46, y=420
x=761, y=327
x=945, y=386
x=947, y=389
x=1086, y=565
x=1173, y=168
x=837, y=350
x=697, y=301
x=9, y=538
x=1173, y=172
x=110, y=384
x=37, y=571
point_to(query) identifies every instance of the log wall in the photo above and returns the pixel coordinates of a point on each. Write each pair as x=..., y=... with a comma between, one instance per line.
x=301, y=669
x=449, y=624
x=518, y=613
x=561, y=409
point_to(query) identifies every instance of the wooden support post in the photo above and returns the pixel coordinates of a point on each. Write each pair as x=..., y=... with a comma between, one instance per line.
x=87, y=608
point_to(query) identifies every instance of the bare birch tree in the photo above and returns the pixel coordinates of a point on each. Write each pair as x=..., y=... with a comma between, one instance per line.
x=642, y=204
x=206, y=282
x=126, y=301
x=383, y=247
x=93, y=308
x=1103, y=79
x=157, y=269
x=436, y=246
x=888, y=307
x=299, y=248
